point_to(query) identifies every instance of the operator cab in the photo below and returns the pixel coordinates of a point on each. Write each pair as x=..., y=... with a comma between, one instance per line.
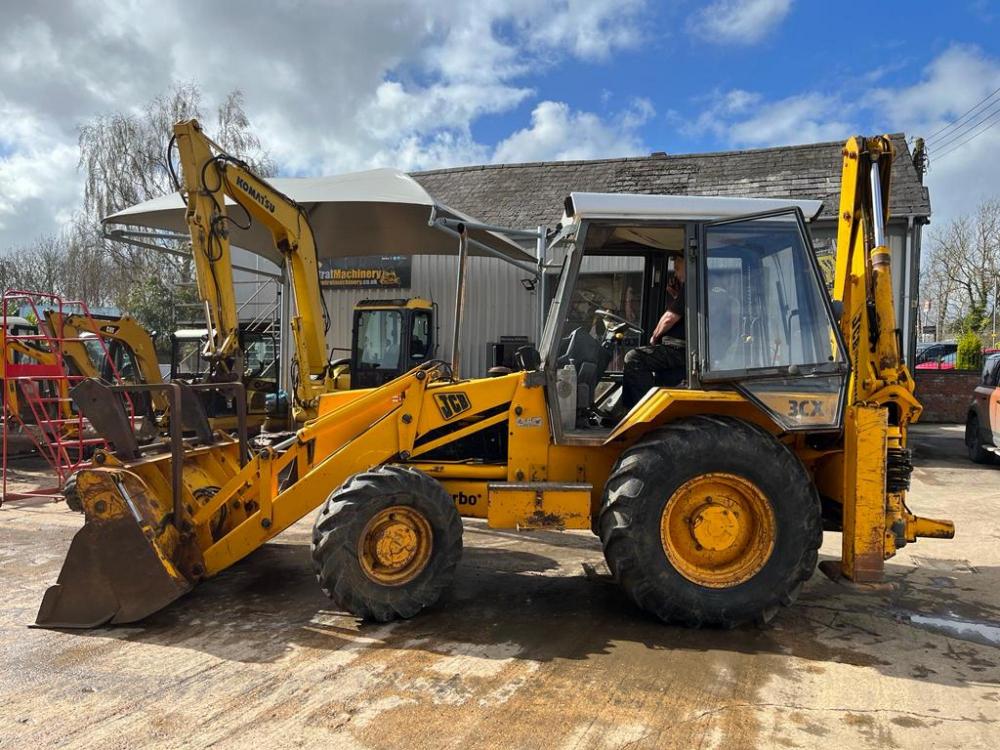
x=390, y=337
x=756, y=316
x=259, y=345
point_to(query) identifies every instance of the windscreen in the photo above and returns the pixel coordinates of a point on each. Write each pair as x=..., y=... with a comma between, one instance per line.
x=379, y=339
x=421, y=346
x=768, y=327
x=765, y=303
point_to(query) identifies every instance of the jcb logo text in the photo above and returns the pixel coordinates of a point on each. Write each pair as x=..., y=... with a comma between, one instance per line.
x=452, y=404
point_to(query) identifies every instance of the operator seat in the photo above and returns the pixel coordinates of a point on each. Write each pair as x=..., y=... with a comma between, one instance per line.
x=589, y=359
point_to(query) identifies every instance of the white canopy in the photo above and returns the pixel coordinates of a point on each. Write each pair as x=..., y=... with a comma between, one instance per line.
x=378, y=212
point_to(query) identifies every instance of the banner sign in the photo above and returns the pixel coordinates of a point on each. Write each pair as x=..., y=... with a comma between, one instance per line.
x=366, y=272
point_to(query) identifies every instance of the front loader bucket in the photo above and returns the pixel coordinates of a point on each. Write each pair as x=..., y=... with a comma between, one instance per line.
x=111, y=575
x=119, y=567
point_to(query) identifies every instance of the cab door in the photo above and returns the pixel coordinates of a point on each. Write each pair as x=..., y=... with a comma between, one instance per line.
x=767, y=325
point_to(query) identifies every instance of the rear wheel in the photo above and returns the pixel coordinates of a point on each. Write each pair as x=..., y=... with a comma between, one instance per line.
x=974, y=442
x=711, y=521
x=386, y=543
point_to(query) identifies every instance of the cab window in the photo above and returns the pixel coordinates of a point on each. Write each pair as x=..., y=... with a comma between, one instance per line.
x=613, y=283
x=378, y=339
x=420, y=338
x=768, y=328
x=764, y=303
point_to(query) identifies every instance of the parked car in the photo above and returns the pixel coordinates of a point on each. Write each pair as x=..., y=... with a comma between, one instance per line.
x=930, y=353
x=982, y=424
x=947, y=362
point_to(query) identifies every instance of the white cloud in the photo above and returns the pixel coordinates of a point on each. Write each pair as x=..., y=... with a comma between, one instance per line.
x=739, y=21
x=591, y=28
x=329, y=87
x=745, y=119
x=952, y=83
x=559, y=133
x=809, y=118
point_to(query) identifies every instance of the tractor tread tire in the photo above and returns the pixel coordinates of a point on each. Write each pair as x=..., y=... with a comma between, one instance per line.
x=342, y=519
x=647, y=475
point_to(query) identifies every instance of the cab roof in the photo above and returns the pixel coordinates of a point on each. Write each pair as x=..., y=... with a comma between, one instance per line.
x=675, y=207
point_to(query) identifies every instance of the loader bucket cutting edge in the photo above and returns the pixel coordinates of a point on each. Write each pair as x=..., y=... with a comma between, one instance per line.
x=111, y=575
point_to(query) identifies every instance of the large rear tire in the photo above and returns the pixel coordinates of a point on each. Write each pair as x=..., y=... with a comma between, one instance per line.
x=386, y=543
x=974, y=442
x=711, y=521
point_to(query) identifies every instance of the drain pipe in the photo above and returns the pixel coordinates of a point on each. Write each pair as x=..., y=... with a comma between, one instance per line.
x=463, y=255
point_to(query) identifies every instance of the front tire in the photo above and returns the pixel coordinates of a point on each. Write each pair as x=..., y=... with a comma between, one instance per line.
x=710, y=521
x=974, y=442
x=386, y=543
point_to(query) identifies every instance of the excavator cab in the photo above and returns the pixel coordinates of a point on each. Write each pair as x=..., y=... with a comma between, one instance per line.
x=390, y=337
x=258, y=345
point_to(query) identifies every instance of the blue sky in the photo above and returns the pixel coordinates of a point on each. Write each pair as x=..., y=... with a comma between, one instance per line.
x=335, y=87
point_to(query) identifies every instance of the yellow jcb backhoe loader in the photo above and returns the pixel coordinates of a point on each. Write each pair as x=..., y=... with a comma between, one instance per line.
x=710, y=494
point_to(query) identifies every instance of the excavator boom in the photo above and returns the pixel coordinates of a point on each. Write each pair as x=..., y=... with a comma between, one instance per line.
x=210, y=176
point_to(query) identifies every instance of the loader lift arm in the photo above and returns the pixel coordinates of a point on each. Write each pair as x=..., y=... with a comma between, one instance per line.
x=209, y=176
x=141, y=555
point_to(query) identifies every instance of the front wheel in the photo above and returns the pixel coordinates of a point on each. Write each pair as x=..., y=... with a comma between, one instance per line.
x=710, y=521
x=974, y=442
x=386, y=543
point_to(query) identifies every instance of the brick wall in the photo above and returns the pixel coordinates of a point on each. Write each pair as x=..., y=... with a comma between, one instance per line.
x=945, y=394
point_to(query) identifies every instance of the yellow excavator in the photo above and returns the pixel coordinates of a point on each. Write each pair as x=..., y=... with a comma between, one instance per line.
x=128, y=352
x=710, y=495
x=389, y=336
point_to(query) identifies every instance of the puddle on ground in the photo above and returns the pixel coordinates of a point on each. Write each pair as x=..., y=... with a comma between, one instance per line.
x=974, y=631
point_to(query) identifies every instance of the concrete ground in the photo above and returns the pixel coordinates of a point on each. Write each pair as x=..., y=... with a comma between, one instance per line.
x=533, y=649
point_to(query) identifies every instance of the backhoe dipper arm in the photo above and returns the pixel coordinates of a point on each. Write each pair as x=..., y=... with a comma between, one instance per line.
x=210, y=174
x=863, y=283
x=873, y=477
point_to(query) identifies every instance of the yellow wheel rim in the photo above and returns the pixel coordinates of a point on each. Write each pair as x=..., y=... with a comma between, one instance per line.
x=717, y=530
x=395, y=545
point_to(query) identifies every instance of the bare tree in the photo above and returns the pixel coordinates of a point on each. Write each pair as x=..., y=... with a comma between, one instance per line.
x=124, y=155
x=962, y=271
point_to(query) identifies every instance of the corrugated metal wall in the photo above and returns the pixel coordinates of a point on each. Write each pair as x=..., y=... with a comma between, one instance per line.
x=496, y=304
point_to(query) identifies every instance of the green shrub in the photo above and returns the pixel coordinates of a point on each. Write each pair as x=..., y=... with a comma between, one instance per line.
x=970, y=352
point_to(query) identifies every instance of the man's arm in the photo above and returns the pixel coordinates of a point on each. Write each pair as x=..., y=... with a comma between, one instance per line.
x=667, y=321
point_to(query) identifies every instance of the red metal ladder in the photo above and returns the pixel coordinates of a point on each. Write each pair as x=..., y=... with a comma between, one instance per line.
x=37, y=381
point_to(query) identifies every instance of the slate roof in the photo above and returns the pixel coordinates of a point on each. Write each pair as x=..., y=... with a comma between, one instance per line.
x=526, y=195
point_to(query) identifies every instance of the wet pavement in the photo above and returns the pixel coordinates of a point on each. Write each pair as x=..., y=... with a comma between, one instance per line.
x=534, y=648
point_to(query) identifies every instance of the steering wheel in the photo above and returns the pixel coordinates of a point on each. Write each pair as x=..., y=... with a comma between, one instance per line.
x=616, y=322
